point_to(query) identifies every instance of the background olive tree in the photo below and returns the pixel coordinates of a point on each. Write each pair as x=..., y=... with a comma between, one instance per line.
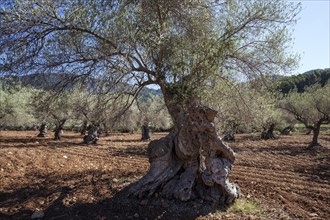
x=311, y=108
x=244, y=107
x=15, y=107
x=54, y=109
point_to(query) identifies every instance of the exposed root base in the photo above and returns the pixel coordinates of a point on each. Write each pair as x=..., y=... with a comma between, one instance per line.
x=175, y=180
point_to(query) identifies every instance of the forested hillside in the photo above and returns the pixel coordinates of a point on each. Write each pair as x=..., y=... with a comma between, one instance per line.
x=302, y=81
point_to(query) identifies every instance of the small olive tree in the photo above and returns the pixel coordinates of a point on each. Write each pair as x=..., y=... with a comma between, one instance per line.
x=266, y=115
x=312, y=108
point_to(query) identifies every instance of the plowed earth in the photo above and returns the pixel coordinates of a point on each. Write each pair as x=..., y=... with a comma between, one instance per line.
x=68, y=180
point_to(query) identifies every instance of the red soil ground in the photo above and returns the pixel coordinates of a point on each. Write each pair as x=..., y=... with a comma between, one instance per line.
x=68, y=180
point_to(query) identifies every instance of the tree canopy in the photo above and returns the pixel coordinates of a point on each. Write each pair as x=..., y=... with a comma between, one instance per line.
x=146, y=42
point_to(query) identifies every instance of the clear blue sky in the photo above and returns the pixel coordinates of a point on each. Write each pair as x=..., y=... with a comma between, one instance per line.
x=312, y=35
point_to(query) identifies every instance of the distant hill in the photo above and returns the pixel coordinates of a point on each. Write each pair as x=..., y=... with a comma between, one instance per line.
x=301, y=81
x=66, y=81
x=49, y=81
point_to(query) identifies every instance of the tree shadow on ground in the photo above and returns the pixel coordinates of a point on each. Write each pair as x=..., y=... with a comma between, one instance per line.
x=122, y=206
x=276, y=150
x=125, y=141
x=280, y=146
x=55, y=191
x=35, y=143
x=319, y=172
x=130, y=151
x=63, y=144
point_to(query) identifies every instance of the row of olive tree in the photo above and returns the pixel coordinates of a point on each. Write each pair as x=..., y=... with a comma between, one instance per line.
x=243, y=107
x=27, y=108
x=246, y=108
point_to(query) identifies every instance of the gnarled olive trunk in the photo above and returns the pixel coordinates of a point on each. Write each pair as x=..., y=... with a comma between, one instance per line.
x=92, y=136
x=191, y=161
x=269, y=133
x=316, y=132
x=42, y=130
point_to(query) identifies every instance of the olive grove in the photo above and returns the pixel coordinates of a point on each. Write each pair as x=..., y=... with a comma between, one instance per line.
x=180, y=46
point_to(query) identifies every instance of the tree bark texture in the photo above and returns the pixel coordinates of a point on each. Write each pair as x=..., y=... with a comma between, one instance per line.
x=192, y=161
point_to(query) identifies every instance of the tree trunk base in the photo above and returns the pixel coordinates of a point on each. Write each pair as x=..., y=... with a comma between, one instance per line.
x=92, y=137
x=267, y=135
x=42, y=130
x=145, y=132
x=58, y=134
x=190, y=162
x=315, y=147
x=205, y=176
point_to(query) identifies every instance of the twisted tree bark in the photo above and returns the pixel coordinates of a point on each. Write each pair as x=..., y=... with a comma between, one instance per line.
x=191, y=161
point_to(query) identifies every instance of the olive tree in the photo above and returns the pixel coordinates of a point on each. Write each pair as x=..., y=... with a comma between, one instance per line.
x=233, y=101
x=177, y=45
x=53, y=107
x=244, y=107
x=15, y=107
x=153, y=113
x=312, y=108
x=266, y=115
x=158, y=114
